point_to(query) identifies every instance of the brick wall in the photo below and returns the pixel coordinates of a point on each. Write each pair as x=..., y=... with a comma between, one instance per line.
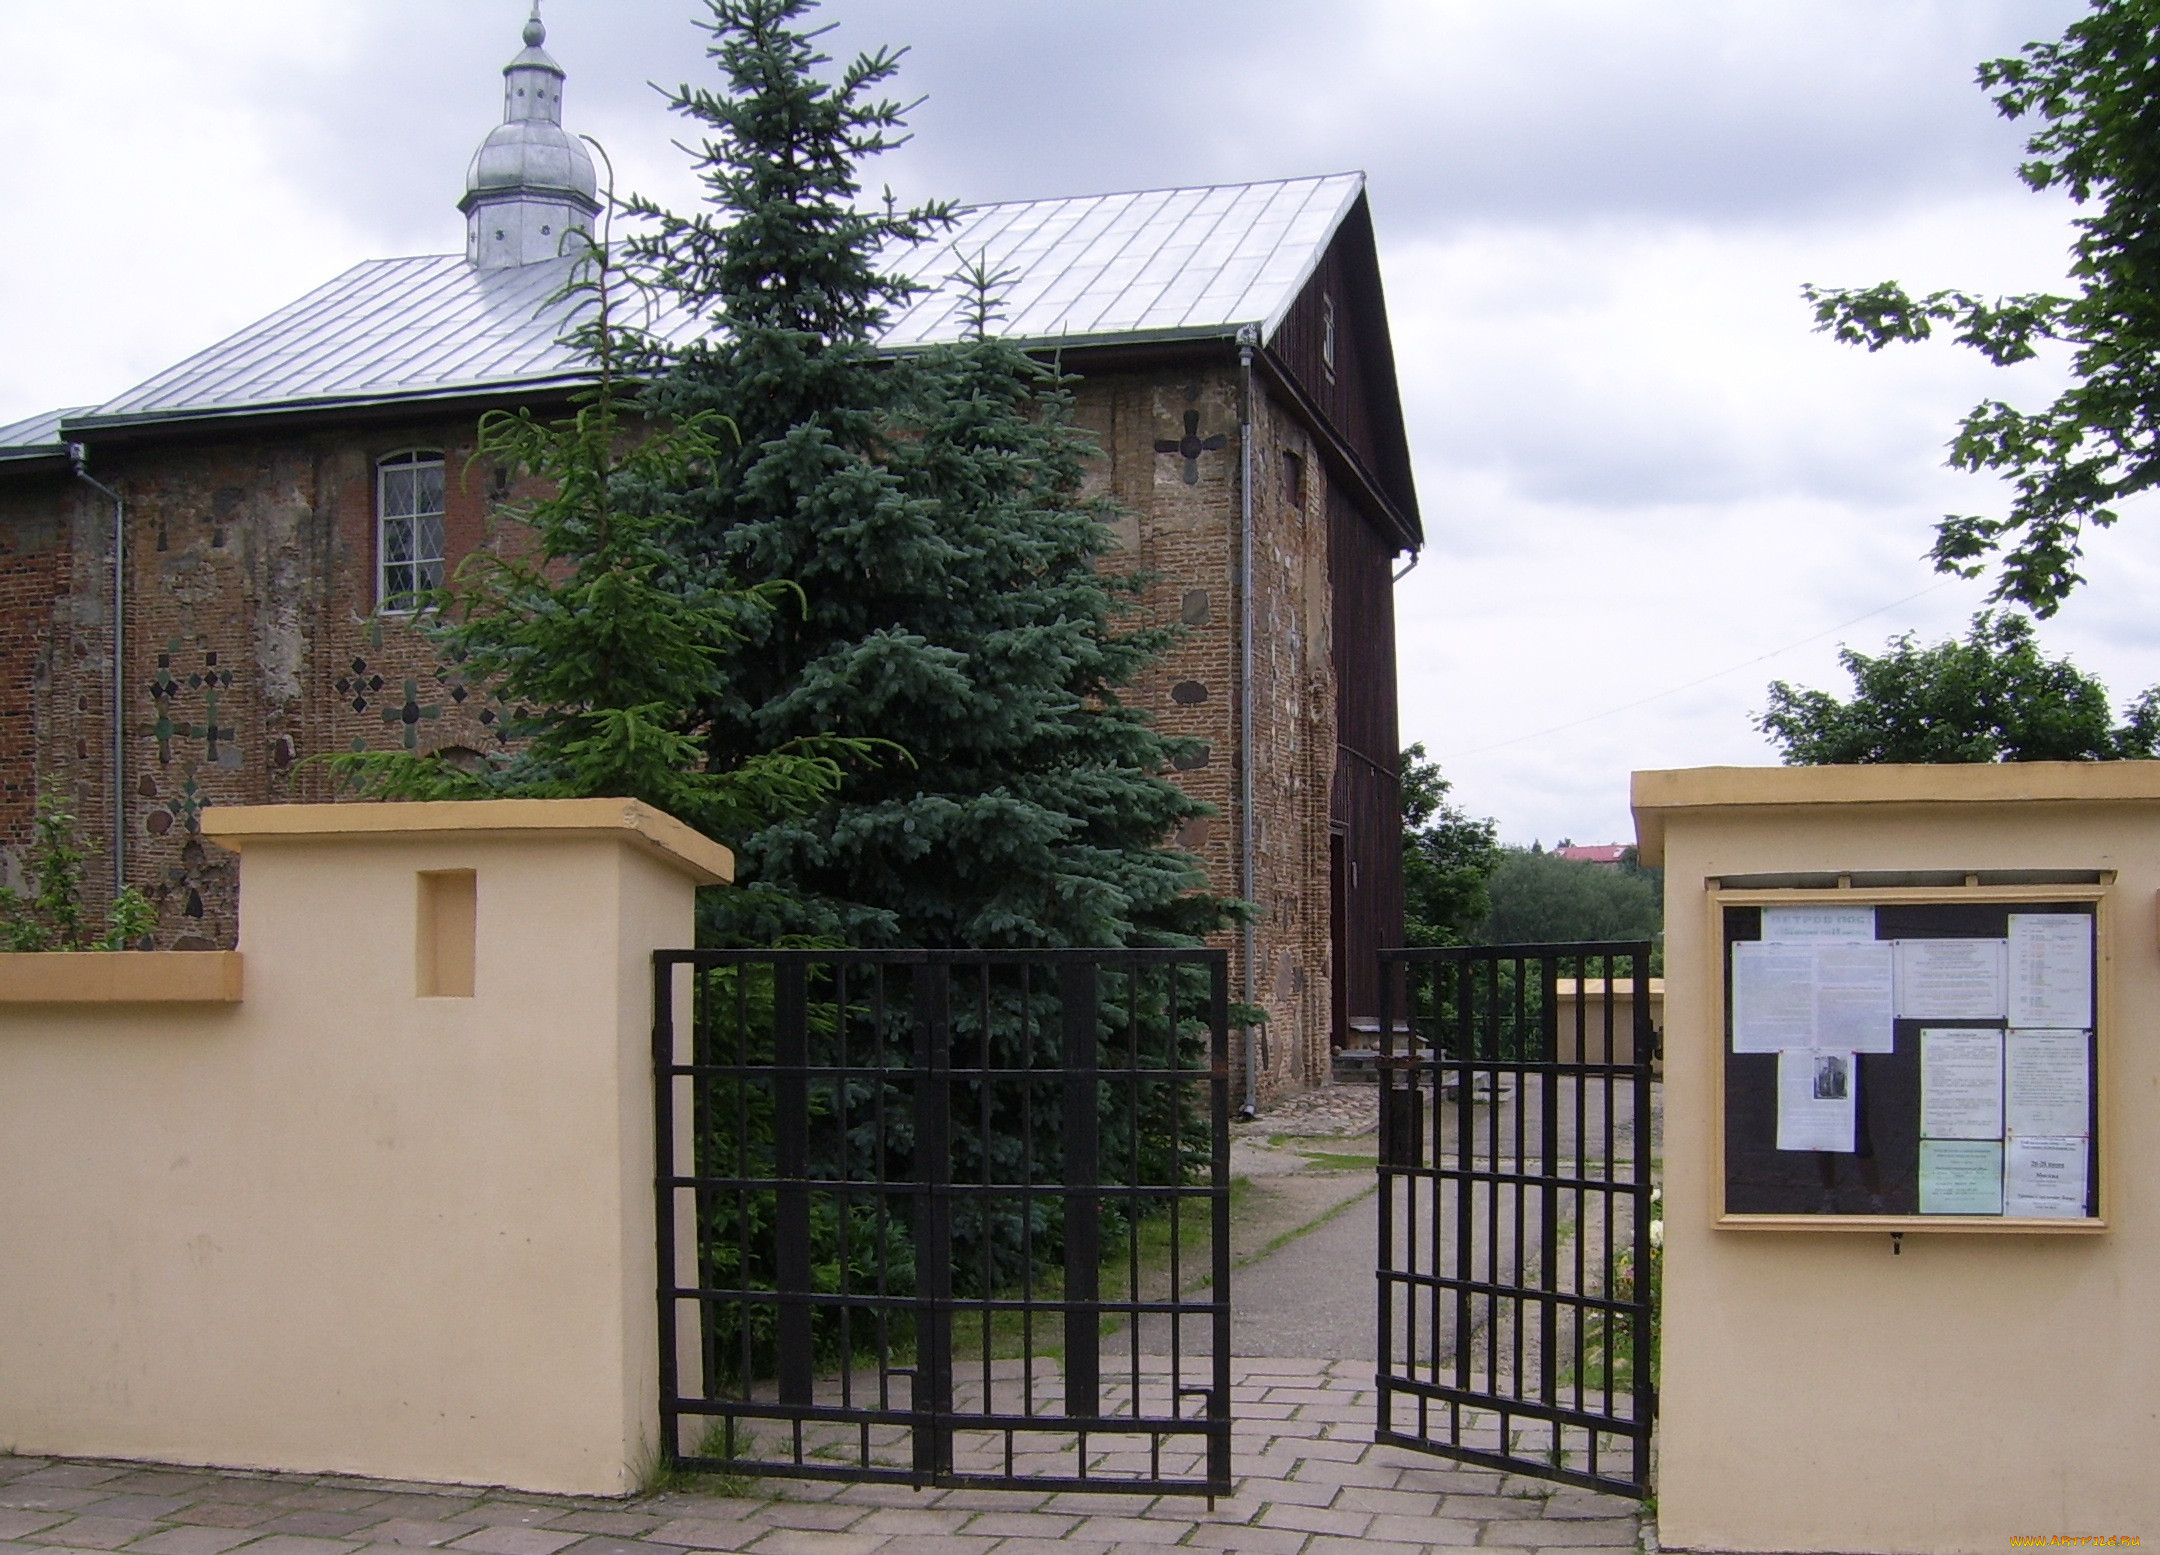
x=1184, y=536
x=253, y=646
x=252, y=643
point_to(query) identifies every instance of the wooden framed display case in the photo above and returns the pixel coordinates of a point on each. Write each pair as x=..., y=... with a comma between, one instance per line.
x=1876, y=1119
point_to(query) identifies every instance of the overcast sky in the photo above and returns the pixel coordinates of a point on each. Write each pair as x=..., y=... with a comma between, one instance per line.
x=1649, y=488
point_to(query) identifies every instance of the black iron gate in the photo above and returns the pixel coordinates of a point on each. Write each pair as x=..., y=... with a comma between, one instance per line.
x=946, y=1218
x=1518, y=1274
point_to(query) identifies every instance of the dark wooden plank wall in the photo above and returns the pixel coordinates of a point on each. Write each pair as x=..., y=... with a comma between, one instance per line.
x=1342, y=396
x=1359, y=399
x=1367, y=800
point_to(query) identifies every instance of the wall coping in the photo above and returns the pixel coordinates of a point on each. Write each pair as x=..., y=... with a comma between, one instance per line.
x=1657, y=795
x=120, y=977
x=631, y=821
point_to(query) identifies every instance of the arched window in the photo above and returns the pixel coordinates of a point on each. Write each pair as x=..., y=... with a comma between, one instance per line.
x=408, y=528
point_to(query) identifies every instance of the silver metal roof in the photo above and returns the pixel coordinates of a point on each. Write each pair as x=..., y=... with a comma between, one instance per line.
x=1161, y=263
x=37, y=437
x=1166, y=264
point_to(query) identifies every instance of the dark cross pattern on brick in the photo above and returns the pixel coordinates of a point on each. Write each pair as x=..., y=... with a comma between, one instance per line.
x=410, y=714
x=359, y=685
x=165, y=688
x=1191, y=446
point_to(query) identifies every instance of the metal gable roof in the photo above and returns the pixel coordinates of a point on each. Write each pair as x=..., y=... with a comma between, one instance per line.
x=1157, y=264
x=37, y=437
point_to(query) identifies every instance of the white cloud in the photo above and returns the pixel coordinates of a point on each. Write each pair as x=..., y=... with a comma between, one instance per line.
x=1638, y=465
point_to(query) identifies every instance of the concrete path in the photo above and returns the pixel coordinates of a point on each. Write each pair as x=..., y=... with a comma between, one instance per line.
x=1311, y=1483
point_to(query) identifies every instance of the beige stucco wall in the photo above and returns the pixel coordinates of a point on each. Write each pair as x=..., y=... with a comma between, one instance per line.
x=1820, y=1393
x=337, y=1226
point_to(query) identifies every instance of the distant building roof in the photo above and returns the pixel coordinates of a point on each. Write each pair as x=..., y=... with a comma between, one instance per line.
x=1595, y=853
x=1164, y=264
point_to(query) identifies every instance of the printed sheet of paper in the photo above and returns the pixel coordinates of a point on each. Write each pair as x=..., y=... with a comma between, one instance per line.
x=2048, y=1082
x=1773, y=996
x=1961, y=1177
x=1961, y=1083
x=1952, y=979
x=1817, y=1093
x=2051, y=969
x=1855, y=1003
x=1829, y=993
x=1786, y=924
x=2044, y=1175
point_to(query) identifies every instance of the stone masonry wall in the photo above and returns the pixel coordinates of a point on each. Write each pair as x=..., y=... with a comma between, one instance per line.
x=254, y=646
x=1181, y=529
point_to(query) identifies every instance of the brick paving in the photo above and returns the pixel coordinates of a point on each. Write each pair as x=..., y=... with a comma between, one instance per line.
x=1313, y=1484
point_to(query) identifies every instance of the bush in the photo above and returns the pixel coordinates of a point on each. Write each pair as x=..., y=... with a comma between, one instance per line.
x=52, y=916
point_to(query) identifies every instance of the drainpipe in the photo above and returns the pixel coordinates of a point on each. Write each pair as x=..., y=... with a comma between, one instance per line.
x=1409, y=567
x=1248, y=339
x=78, y=457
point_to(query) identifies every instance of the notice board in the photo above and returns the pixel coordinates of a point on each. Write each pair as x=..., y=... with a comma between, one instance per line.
x=1912, y=1060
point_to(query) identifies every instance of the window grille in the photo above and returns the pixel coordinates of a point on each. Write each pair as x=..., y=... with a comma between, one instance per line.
x=408, y=529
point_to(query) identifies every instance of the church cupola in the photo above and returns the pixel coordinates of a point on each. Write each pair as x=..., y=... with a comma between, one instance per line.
x=531, y=182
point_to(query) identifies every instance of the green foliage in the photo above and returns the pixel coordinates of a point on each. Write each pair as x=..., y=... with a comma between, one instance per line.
x=2096, y=96
x=611, y=651
x=1991, y=697
x=52, y=915
x=1542, y=898
x=1448, y=856
x=931, y=510
x=861, y=1036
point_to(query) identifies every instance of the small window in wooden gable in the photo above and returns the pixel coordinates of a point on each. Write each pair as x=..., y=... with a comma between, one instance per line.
x=1327, y=333
x=408, y=528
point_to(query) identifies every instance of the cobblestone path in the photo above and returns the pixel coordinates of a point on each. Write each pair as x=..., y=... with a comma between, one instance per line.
x=1312, y=1483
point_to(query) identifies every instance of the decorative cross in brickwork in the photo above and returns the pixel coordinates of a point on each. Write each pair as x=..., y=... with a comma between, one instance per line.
x=210, y=731
x=359, y=685
x=410, y=715
x=1191, y=446
x=165, y=688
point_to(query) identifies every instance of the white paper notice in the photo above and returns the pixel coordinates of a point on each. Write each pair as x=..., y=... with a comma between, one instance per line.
x=2051, y=969
x=1829, y=993
x=1952, y=979
x=1855, y=1005
x=2044, y=1175
x=1773, y=996
x=2048, y=1076
x=1816, y=1093
x=1798, y=923
x=1961, y=1084
x=1961, y=1177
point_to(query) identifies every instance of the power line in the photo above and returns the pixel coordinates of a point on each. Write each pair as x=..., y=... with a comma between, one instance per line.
x=1734, y=669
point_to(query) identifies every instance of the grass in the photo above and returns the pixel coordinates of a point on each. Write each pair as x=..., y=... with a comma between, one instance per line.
x=1336, y=1161
x=1188, y=1226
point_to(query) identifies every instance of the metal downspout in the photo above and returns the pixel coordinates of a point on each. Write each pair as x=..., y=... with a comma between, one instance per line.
x=78, y=458
x=1248, y=339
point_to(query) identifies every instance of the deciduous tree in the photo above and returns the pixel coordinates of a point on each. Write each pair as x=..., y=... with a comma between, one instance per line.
x=2094, y=95
x=1992, y=696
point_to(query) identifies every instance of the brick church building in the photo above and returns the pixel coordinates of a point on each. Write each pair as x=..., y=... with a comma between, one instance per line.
x=204, y=581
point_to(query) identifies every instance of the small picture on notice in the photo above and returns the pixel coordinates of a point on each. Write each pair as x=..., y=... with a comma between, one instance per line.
x=1832, y=1076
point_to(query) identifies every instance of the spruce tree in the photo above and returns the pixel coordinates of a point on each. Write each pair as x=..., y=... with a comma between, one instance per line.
x=603, y=647
x=931, y=512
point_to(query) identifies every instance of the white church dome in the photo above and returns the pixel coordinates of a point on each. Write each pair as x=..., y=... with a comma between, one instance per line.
x=532, y=182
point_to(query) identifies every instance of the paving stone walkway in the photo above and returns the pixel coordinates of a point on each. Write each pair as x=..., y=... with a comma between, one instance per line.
x=1313, y=1484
